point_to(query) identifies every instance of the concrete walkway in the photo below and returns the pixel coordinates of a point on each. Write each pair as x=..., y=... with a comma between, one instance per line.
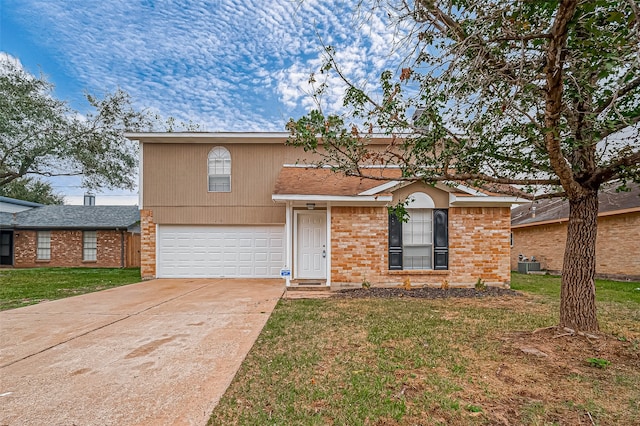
x=161, y=352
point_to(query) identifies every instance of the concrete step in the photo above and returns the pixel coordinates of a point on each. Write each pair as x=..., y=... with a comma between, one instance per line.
x=295, y=295
x=307, y=287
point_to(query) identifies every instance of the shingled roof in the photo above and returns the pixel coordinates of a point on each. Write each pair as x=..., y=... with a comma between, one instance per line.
x=322, y=181
x=6, y=219
x=557, y=209
x=17, y=202
x=76, y=217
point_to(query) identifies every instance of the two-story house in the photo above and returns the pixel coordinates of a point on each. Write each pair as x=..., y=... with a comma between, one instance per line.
x=248, y=205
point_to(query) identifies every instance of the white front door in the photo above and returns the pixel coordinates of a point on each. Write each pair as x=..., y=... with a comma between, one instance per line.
x=311, y=252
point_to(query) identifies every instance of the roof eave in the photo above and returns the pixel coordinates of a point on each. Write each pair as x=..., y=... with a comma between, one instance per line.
x=485, y=201
x=566, y=219
x=226, y=137
x=356, y=199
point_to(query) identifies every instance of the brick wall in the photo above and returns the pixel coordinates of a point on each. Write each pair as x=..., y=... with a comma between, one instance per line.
x=478, y=248
x=359, y=244
x=479, y=245
x=147, y=244
x=617, y=245
x=66, y=249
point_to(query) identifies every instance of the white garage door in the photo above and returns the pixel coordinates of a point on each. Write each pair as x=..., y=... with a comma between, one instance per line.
x=219, y=251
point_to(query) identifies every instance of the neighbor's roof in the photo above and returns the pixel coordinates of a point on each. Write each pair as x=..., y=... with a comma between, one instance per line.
x=550, y=210
x=322, y=181
x=19, y=202
x=86, y=217
x=6, y=220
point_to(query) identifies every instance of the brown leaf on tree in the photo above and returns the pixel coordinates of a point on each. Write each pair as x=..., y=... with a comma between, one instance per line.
x=405, y=74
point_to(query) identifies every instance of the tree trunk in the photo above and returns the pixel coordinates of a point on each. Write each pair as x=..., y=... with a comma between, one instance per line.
x=578, y=292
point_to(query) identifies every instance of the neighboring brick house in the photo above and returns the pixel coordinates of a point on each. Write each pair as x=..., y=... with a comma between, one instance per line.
x=539, y=229
x=71, y=236
x=244, y=205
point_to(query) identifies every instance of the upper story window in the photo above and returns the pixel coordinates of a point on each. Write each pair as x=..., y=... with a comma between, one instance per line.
x=219, y=170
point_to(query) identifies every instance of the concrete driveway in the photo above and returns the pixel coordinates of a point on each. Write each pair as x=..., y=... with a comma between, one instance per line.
x=160, y=352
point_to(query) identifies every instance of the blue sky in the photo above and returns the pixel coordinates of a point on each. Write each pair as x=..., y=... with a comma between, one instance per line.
x=226, y=65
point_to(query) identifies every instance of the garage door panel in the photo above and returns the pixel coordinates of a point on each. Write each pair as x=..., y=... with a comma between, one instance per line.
x=220, y=251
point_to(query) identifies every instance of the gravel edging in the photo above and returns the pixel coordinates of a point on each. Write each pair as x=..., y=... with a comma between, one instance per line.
x=423, y=293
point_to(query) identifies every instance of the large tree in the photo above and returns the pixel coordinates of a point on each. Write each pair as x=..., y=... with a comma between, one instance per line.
x=540, y=94
x=43, y=136
x=31, y=189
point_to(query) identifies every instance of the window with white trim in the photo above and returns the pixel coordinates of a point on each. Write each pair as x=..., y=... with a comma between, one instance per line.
x=421, y=241
x=219, y=170
x=417, y=240
x=43, y=245
x=89, y=246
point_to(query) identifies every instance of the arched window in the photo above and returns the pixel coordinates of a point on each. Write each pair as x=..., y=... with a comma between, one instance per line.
x=422, y=241
x=219, y=170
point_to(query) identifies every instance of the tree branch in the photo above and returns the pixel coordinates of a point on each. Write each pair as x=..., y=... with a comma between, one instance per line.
x=553, y=101
x=613, y=170
x=633, y=84
x=527, y=37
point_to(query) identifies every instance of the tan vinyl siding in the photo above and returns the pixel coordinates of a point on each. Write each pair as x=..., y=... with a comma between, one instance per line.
x=440, y=197
x=176, y=185
x=273, y=214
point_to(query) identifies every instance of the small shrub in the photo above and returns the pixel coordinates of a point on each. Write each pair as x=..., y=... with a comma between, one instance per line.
x=480, y=285
x=445, y=284
x=598, y=362
x=366, y=284
x=406, y=284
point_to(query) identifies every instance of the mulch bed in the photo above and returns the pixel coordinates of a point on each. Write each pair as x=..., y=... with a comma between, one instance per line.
x=423, y=293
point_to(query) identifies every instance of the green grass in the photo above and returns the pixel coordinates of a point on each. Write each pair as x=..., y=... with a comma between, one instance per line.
x=430, y=362
x=549, y=285
x=22, y=287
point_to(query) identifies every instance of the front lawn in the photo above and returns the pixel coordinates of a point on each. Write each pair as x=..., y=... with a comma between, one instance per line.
x=22, y=287
x=408, y=361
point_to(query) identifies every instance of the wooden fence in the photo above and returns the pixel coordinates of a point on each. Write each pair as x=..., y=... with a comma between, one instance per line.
x=132, y=251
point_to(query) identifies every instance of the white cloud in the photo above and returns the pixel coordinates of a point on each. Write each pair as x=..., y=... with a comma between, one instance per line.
x=228, y=65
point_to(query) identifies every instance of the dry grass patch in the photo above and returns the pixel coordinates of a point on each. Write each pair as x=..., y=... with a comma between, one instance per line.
x=428, y=362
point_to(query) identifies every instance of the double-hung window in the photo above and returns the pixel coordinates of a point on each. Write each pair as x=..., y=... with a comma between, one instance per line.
x=219, y=170
x=43, y=245
x=89, y=246
x=417, y=240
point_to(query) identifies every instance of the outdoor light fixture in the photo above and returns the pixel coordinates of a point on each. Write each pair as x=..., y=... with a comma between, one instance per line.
x=311, y=206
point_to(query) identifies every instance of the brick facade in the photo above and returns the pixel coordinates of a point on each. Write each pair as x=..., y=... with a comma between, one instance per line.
x=478, y=248
x=148, y=244
x=479, y=245
x=66, y=249
x=359, y=246
x=617, y=245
